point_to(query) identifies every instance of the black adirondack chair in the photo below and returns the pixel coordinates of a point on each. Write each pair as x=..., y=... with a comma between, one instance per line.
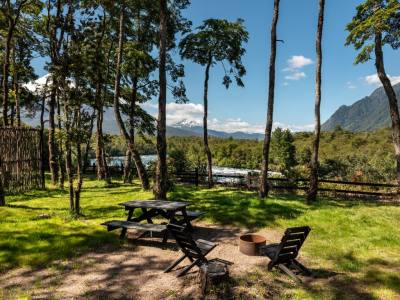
x=283, y=255
x=195, y=251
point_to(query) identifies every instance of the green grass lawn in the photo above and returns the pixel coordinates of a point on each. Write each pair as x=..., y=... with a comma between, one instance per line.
x=360, y=241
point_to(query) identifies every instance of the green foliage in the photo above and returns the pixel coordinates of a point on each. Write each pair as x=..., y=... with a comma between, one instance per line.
x=216, y=41
x=374, y=17
x=284, y=150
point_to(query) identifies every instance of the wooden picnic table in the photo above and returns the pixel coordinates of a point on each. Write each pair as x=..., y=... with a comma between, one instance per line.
x=153, y=208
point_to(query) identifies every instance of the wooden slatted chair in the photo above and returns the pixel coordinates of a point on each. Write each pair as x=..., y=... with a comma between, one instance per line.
x=283, y=255
x=194, y=250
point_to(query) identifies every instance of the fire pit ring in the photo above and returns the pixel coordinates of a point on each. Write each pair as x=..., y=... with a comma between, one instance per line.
x=250, y=244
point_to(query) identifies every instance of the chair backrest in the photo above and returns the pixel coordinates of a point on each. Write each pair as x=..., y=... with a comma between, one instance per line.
x=185, y=241
x=290, y=244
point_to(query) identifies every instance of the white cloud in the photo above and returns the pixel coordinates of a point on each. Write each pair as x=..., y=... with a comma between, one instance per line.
x=298, y=62
x=285, y=83
x=350, y=85
x=374, y=79
x=294, y=66
x=192, y=114
x=294, y=128
x=296, y=76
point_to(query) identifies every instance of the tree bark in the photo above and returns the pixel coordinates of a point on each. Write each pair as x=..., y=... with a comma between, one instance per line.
x=60, y=155
x=52, y=141
x=160, y=189
x=101, y=170
x=128, y=167
x=264, y=187
x=68, y=158
x=2, y=195
x=393, y=106
x=16, y=90
x=205, y=119
x=88, y=143
x=100, y=155
x=312, y=192
x=77, y=191
x=42, y=158
x=6, y=68
x=12, y=22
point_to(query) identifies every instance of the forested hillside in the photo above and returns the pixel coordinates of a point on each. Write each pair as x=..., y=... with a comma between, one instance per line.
x=368, y=114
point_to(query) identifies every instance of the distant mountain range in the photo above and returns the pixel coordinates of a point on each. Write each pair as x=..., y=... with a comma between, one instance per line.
x=183, y=128
x=367, y=114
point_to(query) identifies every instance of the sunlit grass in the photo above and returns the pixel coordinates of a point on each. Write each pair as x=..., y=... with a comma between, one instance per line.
x=359, y=241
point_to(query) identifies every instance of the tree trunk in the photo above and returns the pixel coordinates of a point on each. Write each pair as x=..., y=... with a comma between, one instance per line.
x=79, y=183
x=16, y=90
x=393, y=106
x=12, y=22
x=100, y=156
x=68, y=158
x=128, y=167
x=160, y=189
x=52, y=141
x=88, y=143
x=130, y=140
x=205, y=128
x=2, y=195
x=312, y=192
x=60, y=157
x=42, y=158
x=6, y=69
x=264, y=188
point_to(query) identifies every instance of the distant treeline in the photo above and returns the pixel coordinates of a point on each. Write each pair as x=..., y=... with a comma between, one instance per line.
x=344, y=155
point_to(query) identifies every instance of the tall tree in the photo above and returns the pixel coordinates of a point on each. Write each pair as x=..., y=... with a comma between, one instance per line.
x=129, y=138
x=216, y=41
x=376, y=24
x=264, y=187
x=98, y=48
x=54, y=28
x=14, y=12
x=160, y=189
x=312, y=192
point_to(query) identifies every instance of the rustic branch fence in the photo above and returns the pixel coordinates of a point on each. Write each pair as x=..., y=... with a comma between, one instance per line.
x=20, y=160
x=250, y=181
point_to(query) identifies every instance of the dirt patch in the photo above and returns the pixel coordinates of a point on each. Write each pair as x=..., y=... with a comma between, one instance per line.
x=132, y=271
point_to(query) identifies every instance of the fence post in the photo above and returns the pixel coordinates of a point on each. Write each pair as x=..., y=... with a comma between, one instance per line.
x=248, y=180
x=196, y=176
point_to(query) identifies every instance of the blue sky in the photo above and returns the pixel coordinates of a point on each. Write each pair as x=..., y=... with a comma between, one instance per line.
x=343, y=82
x=245, y=108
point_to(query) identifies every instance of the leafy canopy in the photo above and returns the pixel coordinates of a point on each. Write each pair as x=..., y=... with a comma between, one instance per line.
x=374, y=17
x=218, y=41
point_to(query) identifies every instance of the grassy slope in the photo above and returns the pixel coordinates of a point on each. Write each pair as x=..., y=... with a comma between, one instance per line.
x=357, y=240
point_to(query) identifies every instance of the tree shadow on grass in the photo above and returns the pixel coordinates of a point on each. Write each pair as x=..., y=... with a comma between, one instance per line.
x=107, y=273
x=37, y=247
x=47, y=193
x=356, y=283
x=238, y=208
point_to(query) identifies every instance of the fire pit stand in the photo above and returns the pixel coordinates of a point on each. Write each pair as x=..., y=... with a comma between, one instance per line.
x=250, y=244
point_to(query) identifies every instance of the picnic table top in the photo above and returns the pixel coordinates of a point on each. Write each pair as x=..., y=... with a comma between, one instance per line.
x=159, y=204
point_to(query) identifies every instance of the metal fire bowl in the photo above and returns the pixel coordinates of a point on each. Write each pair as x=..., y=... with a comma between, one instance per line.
x=250, y=244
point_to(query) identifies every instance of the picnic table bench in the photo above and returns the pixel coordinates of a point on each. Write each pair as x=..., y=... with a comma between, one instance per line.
x=115, y=224
x=174, y=212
